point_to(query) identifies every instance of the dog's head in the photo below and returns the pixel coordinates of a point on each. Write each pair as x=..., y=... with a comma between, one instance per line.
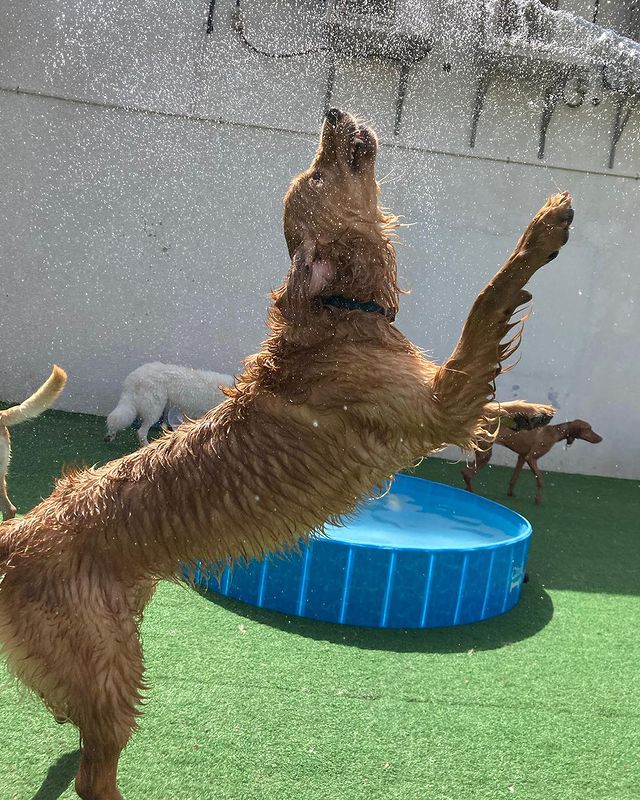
x=339, y=189
x=579, y=429
x=338, y=235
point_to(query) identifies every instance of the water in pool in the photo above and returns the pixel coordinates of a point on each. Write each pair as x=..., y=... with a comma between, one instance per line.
x=420, y=515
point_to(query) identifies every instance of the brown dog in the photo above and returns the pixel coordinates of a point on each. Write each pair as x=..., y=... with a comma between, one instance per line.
x=32, y=407
x=530, y=446
x=335, y=402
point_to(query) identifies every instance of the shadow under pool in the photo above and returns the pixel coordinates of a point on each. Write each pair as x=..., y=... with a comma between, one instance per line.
x=530, y=615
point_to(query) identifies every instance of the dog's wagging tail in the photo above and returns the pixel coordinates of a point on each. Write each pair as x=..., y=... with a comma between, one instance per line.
x=335, y=402
x=30, y=408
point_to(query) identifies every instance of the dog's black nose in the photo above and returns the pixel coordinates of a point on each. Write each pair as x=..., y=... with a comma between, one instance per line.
x=334, y=115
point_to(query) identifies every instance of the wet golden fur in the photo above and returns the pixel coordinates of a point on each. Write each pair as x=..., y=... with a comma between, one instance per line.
x=333, y=404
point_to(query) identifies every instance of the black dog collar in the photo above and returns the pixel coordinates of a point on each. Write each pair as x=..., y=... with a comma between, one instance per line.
x=347, y=303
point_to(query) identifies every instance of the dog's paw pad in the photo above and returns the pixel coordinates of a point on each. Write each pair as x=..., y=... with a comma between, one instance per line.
x=549, y=229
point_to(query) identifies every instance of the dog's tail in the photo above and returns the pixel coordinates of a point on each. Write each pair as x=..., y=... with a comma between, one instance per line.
x=121, y=417
x=39, y=401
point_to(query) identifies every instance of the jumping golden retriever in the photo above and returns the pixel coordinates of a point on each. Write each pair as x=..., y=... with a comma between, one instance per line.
x=334, y=403
x=30, y=408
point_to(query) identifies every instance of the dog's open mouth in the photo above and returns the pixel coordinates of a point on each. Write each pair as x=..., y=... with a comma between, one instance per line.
x=362, y=143
x=346, y=138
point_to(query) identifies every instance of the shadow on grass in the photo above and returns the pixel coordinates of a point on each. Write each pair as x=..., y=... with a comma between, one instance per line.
x=59, y=777
x=532, y=614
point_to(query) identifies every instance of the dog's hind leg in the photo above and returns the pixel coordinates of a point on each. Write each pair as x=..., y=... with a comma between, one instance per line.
x=106, y=714
x=533, y=464
x=87, y=667
x=96, y=779
x=150, y=412
x=516, y=474
x=143, y=431
x=465, y=383
x=6, y=506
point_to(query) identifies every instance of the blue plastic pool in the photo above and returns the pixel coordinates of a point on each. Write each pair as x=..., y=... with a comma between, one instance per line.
x=425, y=555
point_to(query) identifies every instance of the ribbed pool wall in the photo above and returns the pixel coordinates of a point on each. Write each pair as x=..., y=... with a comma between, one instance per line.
x=424, y=556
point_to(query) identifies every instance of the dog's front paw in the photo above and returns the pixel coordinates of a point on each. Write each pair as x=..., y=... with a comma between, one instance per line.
x=548, y=231
x=539, y=416
x=527, y=416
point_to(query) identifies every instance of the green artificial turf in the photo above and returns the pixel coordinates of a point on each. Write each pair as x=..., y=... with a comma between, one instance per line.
x=542, y=703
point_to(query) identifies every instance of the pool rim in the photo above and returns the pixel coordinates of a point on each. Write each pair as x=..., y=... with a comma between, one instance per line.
x=521, y=536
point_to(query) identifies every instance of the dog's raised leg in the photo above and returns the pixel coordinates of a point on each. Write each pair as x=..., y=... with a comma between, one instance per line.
x=465, y=383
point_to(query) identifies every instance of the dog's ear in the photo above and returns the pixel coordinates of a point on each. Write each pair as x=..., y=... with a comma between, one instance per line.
x=309, y=275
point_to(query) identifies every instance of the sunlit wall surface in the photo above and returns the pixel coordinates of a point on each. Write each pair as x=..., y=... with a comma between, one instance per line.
x=145, y=148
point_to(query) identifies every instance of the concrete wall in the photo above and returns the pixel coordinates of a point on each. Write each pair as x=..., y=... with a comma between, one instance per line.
x=142, y=166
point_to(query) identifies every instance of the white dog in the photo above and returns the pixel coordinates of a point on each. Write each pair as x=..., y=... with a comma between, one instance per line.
x=152, y=389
